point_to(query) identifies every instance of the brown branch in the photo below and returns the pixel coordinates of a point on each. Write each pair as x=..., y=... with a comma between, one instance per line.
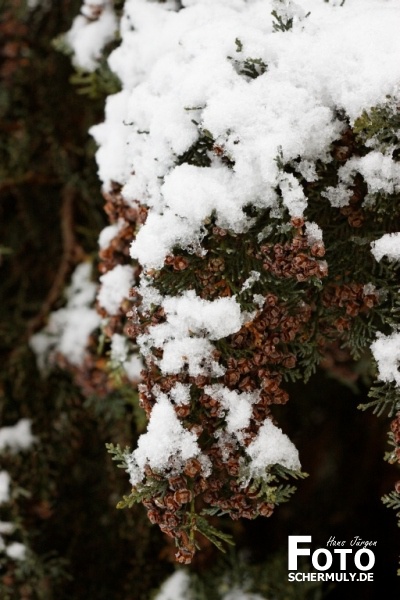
x=72, y=254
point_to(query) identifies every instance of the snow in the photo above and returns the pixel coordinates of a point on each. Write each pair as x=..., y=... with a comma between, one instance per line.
x=259, y=300
x=16, y=551
x=180, y=394
x=380, y=172
x=191, y=323
x=388, y=245
x=115, y=287
x=121, y=354
x=292, y=194
x=236, y=406
x=112, y=138
x=338, y=196
x=119, y=348
x=162, y=233
x=13, y=439
x=386, y=351
x=165, y=445
x=133, y=367
x=271, y=447
x=17, y=437
x=176, y=587
x=109, y=233
x=82, y=290
x=4, y=487
x=369, y=289
x=188, y=312
x=69, y=328
x=196, y=353
x=251, y=280
x=87, y=37
x=6, y=528
x=287, y=9
x=181, y=67
x=238, y=594
x=313, y=233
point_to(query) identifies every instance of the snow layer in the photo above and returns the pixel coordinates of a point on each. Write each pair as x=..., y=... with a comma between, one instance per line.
x=115, y=287
x=121, y=354
x=236, y=407
x=4, y=487
x=191, y=323
x=17, y=437
x=386, y=351
x=176, y=587
x=87, y=37
x=165, y=446
x=69, y=328
x=180, y=73
x=271, y=447
x=14, y=438
x=313, y=233
x=388, y=245
x=16, y=551
x=109, y=233
x=380, y=172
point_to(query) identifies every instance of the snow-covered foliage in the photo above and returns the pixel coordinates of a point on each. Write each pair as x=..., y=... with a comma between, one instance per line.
x=388, y=245
x=190, y=80
x=68, y=328
x=115, y=286
x=240, y=124
x=386, y=351
x=15, y=438
x=166, y=445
